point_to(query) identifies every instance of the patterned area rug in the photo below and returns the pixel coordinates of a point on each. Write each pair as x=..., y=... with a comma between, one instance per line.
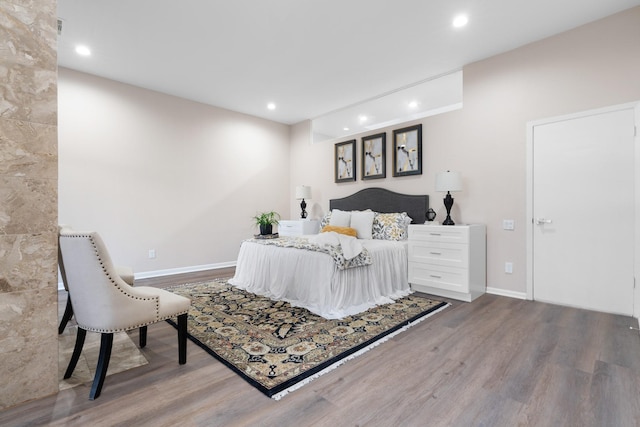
x=278, y=348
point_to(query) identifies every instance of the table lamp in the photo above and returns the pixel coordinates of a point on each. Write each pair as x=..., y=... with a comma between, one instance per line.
x=448, y=181
x=303, y=192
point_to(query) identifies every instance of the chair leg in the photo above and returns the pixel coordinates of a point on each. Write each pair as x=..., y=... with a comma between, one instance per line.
x=182, y=339
x=68, y=313
x=77, y=349
x=106, y=343
x=143, y=336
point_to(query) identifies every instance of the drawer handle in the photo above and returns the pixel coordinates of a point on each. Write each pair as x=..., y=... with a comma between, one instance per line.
x=435, y=234
x=435, y=276
x=435, y=253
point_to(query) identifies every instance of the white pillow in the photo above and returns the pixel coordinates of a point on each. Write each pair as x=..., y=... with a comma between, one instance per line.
x=362, y=221
x=340, y=218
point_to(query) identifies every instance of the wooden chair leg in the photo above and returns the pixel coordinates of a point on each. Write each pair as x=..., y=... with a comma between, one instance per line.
x=106, y=343
x=143, y=336
x=77, y=349
x=182, y=339
x=68, y=313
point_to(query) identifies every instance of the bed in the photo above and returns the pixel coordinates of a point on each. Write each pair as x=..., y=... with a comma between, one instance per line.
x=316, y=281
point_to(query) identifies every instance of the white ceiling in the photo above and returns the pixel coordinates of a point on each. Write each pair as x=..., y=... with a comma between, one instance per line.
x=310, y=57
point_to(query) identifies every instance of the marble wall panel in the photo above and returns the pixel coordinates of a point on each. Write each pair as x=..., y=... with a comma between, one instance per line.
x=39, y=307
x=28, y=348
x=28, y=200
x=29, y=150
x=28, y=61
x=28, y=262
x=28, y=206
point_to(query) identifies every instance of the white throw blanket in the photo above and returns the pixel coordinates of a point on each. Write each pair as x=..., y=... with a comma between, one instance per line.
x=351, y=247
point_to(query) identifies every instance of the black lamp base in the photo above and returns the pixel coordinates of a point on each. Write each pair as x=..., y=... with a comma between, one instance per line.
x=303, y=206
x=448, y=203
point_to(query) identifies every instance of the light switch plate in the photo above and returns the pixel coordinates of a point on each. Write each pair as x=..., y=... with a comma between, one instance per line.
x=508, y=267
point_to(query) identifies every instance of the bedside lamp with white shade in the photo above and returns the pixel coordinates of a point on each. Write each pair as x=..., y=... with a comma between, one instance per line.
x=303, y=192
x=448, y=181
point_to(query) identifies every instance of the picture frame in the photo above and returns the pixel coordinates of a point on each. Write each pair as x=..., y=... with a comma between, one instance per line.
x=345, y=161
x=407, y=151
x=374, y=156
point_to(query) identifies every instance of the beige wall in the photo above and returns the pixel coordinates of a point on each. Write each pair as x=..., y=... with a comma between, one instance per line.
x=592, y=66
x=152, y=171
x=28, y=203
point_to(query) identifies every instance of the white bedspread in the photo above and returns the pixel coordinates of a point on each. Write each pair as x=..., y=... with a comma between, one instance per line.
x=311, y=280
x=351, y=247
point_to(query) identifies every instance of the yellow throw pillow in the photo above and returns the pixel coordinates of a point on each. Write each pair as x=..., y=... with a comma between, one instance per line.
x=342, y=230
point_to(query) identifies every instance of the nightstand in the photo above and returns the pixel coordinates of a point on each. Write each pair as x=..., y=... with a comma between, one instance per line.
x=298, y=227
x=448, y=260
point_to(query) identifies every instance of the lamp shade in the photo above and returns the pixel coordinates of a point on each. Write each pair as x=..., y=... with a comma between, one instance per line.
x=448, y=181
x=303, y=192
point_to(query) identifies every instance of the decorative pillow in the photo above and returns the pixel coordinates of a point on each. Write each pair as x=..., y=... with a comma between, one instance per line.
x=340, y=218
x=362, y=221
x=325, y=220
x=391, y=226
x=342, y=230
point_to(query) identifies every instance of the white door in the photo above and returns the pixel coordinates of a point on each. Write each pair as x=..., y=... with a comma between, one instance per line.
x=583, y=211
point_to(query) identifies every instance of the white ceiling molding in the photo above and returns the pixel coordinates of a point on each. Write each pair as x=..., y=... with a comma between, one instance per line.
x=427, y=98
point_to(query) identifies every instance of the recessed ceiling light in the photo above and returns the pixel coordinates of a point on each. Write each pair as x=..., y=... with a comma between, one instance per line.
x=363, y=118
x=271, y=106
x=460, y=21
x=83, y=50
x=413, y=104
x=345, y=129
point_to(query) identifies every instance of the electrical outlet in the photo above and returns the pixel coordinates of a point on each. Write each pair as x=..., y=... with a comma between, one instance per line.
x=508, y=224
x=152, y=253
x=508, y=267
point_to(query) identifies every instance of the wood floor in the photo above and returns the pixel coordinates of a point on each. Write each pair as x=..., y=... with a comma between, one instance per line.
x=494, y=362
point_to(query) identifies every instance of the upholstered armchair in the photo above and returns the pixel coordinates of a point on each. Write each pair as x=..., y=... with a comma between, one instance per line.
x=103, y=302
x=125, y=273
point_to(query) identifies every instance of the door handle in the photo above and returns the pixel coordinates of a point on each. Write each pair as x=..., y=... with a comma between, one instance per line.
x=541, y=221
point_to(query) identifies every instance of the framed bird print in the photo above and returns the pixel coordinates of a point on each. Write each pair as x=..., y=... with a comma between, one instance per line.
x=407, y=151
x=374, y=157
x=345, y=166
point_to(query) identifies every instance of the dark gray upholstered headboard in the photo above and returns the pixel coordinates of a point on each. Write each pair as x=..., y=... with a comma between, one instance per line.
x=385, y=201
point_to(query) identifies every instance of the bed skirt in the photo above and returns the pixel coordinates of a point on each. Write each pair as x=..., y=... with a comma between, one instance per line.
x=311, y=279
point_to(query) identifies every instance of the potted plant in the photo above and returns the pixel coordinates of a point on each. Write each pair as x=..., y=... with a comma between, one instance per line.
x=266, y=221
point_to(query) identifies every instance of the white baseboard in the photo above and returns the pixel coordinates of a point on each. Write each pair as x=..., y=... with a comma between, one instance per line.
x=171, y=271
x=506, y=293
x=192, y=269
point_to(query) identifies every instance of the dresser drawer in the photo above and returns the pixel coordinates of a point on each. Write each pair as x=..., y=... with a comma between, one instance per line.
x=441, y=277
x=434, y=233
x=297, y=227
x=290, y=228
x=449, y=261
x=447, y=254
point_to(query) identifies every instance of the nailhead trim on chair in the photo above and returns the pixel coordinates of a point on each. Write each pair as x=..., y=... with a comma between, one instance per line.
x=157, y=299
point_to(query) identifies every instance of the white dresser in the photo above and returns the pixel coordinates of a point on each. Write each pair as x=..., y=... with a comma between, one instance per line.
x=448, y=260
x=298, y=227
